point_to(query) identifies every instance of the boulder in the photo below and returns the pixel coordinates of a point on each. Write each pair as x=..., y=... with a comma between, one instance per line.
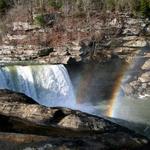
x=45, y=52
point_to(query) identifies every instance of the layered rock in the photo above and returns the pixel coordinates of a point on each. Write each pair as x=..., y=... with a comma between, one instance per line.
x=66, y=128
x=76, y=39
x=121, y=37
x=138, y=84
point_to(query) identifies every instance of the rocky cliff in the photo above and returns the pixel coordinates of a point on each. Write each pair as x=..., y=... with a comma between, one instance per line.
x=68, y=40
x=75, y=39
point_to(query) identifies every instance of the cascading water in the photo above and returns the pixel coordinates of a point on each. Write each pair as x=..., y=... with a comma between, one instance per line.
x=49, y=85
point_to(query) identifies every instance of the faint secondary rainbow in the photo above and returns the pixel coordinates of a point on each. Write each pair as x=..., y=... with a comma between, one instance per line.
x=86, y=78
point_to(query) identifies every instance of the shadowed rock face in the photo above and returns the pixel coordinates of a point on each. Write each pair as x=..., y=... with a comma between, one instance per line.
x=10, y=96
x=94, y=81
x=64, y=127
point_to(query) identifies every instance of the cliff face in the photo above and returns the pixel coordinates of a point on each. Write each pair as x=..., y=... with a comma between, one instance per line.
x=75, y=39
x=98, y=39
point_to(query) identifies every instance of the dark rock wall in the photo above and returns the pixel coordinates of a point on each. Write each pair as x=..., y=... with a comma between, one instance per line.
x=94, y=81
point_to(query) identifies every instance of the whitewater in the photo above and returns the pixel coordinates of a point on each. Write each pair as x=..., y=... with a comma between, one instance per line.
x=49, y=85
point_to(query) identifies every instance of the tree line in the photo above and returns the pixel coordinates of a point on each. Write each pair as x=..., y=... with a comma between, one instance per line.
x=136, y=7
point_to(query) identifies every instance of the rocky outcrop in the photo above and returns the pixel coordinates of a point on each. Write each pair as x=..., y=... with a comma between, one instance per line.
x=98, y=40
x=138, y=84
x=14, y=97
x=22, y=54
x=65, y=127
x=52, y=118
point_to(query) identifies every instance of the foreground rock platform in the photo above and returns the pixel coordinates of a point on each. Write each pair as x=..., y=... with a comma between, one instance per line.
x=54, y=128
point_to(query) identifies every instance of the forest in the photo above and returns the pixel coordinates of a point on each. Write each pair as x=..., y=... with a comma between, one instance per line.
x=70, y=7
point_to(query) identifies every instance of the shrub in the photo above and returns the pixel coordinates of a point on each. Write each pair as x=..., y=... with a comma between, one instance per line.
x=110, y=4
x=80, y=14
x=134, y=6
x=3, y=5
x=145, y=8
x=55, y=4
x=39, y=20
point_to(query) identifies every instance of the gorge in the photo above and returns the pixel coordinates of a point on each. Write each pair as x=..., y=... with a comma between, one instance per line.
x=74, y=74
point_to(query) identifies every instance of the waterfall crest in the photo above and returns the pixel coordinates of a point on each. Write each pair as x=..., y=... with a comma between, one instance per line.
x=49, y=85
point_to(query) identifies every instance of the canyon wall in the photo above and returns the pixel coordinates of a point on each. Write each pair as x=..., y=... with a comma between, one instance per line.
x=75, y=40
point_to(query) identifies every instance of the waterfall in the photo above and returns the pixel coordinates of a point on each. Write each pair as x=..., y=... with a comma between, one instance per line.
x=49, y=85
